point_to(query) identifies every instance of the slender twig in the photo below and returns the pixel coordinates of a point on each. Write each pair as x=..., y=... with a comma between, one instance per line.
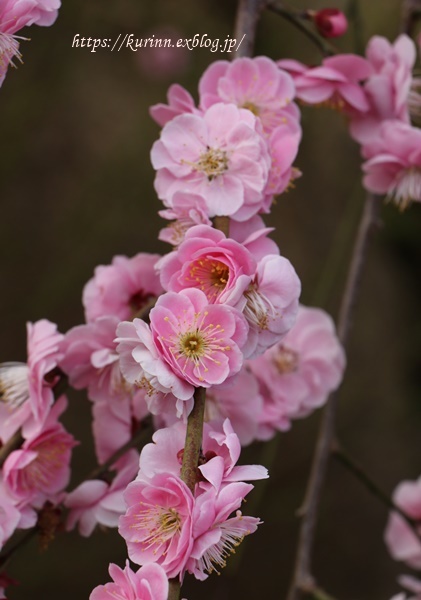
x=223, y=224
x=353, y=12
x=298, y=20
x=5, y=558
x=359, y=472
x=411, y=13
x=309, y=512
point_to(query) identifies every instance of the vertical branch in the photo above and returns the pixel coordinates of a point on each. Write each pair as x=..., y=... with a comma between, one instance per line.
x=248, y=15
x=411, y=13
x=193, y=440
x=302, y=579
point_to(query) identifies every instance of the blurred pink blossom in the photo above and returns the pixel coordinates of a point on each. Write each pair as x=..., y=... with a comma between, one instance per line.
x=297, y=375
x=252, y=83
x=401, y=541
x=122, y=288
x=394, y=163
x=148, y=583
x=336, y=83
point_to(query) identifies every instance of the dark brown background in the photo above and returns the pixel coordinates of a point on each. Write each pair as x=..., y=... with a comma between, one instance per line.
x=77, y=187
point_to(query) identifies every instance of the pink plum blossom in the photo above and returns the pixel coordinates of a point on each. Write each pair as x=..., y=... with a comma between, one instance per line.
x=330, y=22
x=220, y=267
x=179, y=102
x=122, y=288
x=297, y=375
x=90, y=359
x=412, y=585
x=271, y=303
x=114, y=424
x=252, y=83
x=15, y=15
x=335, y=83
x=220, y=156
x=157, y=525
x=239, y=400
x=392, y=89
x=187, y=210
x=40, y=470
x=283, y=144
x=216, y=534
x=26, y=390
x=96, y=502
x=218, y=462
x=394, y=163
x=253, y=235
x=401, y=541
x=148, y=583
x=188, y=344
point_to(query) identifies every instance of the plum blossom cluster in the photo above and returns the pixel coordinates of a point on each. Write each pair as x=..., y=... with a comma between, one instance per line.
x=165, y=522
x=13, y=17
x=38, y=471
x=219, y=312
x=381, y=96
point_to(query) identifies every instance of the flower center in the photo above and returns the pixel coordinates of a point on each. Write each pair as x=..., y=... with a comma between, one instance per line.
x=210, y=276
x=160, y=524
x=198, y=344
x=406, y=188
x=252, y=108
x=14, y=390
x=192, y=344
x=258, y=309
x=139, y=300
x=286, y=360
x=213, y=162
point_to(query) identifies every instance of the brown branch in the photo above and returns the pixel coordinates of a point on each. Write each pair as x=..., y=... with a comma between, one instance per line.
x=298, y=20
x=248, y=14
x=193, y=440
x=309, y=512
x=411, y=13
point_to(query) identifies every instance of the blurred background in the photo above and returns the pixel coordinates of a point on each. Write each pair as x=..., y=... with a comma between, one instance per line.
x=77, y=188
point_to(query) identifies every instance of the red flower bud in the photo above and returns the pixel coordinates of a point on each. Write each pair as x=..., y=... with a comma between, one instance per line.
x=330, y=22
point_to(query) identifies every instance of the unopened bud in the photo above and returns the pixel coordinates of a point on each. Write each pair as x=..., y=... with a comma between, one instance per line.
x=330, y=22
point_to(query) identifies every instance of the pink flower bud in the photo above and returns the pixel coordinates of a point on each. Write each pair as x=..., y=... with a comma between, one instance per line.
x=330, y=22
